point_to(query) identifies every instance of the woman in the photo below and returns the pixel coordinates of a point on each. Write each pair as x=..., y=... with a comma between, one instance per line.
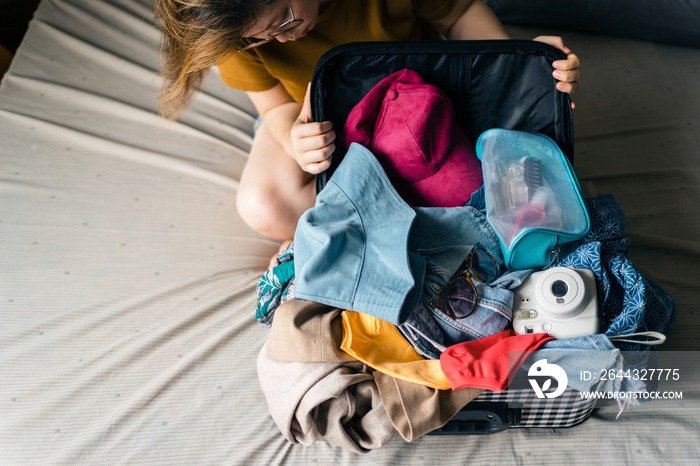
x=269, y=48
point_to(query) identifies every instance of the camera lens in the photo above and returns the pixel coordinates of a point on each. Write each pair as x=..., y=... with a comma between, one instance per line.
x=559, y=288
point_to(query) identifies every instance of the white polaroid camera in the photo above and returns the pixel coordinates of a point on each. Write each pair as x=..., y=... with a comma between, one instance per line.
x=560, y=301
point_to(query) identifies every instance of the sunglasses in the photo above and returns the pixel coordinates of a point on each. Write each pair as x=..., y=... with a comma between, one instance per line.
x=286, y=26
x=458, y=297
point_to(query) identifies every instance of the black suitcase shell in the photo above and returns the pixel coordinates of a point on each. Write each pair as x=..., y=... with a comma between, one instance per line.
x=492, y=84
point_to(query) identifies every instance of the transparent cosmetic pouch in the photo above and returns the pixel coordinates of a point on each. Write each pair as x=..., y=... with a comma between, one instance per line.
x=533, y=198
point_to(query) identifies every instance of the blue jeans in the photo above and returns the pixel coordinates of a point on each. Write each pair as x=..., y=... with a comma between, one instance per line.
x=588, y=361
x=444, y=237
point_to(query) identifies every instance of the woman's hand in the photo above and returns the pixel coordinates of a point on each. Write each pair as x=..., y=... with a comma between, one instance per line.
x=566, y=71
x=311, y=143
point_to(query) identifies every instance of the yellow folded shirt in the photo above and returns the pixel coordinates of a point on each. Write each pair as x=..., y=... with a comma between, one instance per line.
x=380, y=345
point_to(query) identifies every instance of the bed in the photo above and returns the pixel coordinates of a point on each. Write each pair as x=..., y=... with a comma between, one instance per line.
x=127, y=285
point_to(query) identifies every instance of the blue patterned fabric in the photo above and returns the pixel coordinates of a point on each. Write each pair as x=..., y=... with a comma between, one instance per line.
x=629, y=302
x=275, y=286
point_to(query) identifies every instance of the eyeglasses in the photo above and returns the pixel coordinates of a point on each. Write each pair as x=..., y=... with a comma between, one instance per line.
x=286, y=26
x=458, y=297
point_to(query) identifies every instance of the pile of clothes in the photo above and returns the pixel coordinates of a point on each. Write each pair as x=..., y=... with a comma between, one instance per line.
x=356, y=351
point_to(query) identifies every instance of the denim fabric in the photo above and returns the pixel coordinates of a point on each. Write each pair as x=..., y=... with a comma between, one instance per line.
x=430, y=224
x=431, y=331
x=444, y=232
x=594, y=354
x=478, y=199
x=351, y=248
x=444, y=237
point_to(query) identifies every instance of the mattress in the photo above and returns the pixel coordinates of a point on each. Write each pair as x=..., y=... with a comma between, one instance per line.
x=127, y=285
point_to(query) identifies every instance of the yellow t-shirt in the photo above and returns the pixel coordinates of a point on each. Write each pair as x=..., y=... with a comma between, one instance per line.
x=292, y=63
x=380, y=345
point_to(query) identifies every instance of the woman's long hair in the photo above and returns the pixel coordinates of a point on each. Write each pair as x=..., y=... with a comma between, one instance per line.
x=195, y=35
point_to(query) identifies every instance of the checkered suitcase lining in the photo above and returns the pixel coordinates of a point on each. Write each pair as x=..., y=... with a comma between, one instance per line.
x=567, y=410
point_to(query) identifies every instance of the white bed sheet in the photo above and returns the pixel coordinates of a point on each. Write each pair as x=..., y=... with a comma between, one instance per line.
x=127, y=289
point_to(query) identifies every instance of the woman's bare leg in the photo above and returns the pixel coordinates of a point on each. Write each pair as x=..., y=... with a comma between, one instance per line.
x=274, y=191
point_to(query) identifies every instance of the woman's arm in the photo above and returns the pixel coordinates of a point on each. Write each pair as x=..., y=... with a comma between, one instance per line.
x=310, y=143
x=473, y=19
x=470, y=20
x=278, y=110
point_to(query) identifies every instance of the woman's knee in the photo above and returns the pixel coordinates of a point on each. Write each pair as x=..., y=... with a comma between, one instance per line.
x=273, y=191
x=265, y=212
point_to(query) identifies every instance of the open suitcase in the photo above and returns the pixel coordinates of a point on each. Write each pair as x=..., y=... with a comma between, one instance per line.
x=492, y=84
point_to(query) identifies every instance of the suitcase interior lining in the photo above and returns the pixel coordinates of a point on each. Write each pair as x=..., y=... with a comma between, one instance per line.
x=492, y=84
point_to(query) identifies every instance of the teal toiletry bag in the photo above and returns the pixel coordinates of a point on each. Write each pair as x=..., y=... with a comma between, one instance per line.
x=533, y=198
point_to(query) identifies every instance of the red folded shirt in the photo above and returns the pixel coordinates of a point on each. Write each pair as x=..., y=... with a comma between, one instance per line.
x=484, y=363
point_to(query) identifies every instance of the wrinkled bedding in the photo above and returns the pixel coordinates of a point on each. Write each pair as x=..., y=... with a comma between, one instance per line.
x=127, y=287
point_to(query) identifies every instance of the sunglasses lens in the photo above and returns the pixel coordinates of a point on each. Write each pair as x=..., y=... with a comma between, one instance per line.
x=457, y=298
x=483, y=265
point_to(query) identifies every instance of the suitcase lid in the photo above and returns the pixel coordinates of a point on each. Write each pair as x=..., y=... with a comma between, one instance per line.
x=492, y=84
